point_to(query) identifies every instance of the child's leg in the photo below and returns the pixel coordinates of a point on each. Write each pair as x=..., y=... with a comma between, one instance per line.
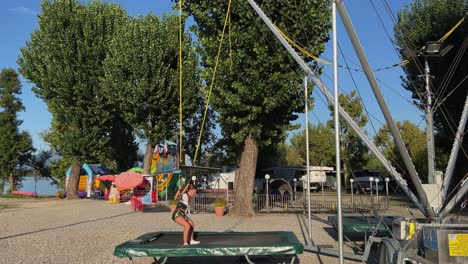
x=192, y=241
x=187, y=227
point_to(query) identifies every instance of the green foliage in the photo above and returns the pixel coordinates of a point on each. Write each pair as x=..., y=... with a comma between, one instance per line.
x=415, y=141
x=272, y=155
x=430, y=20
x=258, y=89
x=59, y=194
x=208, y=152
x=353, y=150
x=142, y=75
x=58, y=169
x=67, y=77
x=219, y=203
x=15, y=145
x=321, y=145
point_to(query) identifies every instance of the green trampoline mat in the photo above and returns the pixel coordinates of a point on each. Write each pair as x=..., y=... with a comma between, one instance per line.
x=364, y=224
x=170, y=244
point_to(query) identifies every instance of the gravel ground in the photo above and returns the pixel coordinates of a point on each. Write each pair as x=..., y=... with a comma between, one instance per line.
x=87, y=231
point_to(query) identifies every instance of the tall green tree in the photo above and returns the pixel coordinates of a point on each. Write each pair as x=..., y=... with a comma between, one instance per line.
x=353, y=151
x=191, y=132
x=321, y=145
x=258, y=88
x=15, y=145
x=142, y=76
x=415, y=141
x=430, y=20
x=64, y=60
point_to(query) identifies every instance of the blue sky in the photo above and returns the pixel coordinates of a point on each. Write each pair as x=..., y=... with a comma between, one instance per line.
x=19, y=18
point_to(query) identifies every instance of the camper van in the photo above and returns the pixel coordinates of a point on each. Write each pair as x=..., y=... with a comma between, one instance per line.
x=318, y=176
x=362, y=184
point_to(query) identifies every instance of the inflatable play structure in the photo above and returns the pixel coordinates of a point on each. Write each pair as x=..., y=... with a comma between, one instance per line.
x=30, y=194
x=87, y=175
x=164, y=176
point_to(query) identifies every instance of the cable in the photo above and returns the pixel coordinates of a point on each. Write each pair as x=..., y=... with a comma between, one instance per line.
x=180, y=83
x=212, y=80
x=450, y=93
x=449, y=75
x=357, y=89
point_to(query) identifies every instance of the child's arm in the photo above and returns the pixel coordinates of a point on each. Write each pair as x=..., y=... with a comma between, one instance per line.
x=180, y=192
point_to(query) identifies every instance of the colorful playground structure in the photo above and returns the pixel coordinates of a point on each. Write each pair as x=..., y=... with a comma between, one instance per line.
x=88, y=174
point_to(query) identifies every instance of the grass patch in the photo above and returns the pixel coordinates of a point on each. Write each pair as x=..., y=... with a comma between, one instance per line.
x=15, y=196
x=8, y=206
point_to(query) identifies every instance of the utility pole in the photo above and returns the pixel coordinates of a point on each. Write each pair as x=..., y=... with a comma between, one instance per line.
x=429, y=126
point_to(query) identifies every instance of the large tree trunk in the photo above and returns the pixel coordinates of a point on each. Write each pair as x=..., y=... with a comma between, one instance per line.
x=12, y=182
x=2, y=186
x=73, y=180
x=245, y=179
x=148, y=159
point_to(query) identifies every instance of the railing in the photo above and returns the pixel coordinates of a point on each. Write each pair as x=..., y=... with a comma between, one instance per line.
x=274, y=203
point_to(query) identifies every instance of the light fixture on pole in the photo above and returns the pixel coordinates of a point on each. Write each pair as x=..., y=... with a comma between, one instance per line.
x=352, y=191
x=194, y=180
x=267, y=179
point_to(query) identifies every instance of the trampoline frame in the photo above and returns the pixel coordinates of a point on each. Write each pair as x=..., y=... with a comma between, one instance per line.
x=284, y=243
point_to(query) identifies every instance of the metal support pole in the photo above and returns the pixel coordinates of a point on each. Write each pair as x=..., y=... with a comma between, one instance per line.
x=455, y=199
x=386, y=189
x=429, y=129
x=383, y=106
x=454, y=153
x=268, y=196
x=369, y=143
x=371, y=197
x=377, y=194
x=337, y=134
x=295, y=189
x=306, y=95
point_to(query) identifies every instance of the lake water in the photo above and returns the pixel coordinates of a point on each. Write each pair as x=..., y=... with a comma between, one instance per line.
x=42, y=187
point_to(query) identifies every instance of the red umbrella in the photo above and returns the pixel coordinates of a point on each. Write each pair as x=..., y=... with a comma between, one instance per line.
x=106, y=178
x=128, y=180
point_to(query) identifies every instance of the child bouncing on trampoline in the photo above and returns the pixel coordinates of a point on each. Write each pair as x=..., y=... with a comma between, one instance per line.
x=180, y=214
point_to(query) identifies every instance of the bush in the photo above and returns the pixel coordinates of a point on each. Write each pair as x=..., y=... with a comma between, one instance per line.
x=219, y=203
x=172, y=202
x=59, y=193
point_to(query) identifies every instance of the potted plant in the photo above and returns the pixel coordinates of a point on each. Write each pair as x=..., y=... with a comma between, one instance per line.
x=219, y=206
x=58, y=194
x=172, y=205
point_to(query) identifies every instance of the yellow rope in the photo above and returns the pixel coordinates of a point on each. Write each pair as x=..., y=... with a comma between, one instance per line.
x=310, y=55
x=451, y=30
x=212, y=80
x=180, y=82
x=300, y=48
x=230, y=43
